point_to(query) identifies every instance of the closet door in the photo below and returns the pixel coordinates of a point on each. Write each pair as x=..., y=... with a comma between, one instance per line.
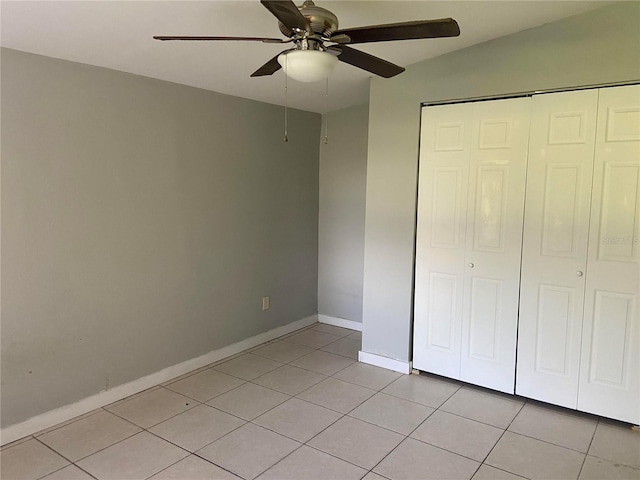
x=470, y=211
x=610, y=366
x=554, y=253
x=493, y=242
x=443, y=181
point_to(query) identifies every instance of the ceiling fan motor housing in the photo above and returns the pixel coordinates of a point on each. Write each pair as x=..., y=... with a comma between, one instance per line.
x=322, y=21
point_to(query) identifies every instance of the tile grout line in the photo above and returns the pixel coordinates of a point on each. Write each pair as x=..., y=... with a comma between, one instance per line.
x=57, y=453
x=71, y=421
x=614, y=462
x=548, y=443
x=17, y=442
x=413, y=401
x=255, y=384
x=472, y=419
x=189, y=452
x=501, y=436
x=254, y=352
x=339, y=458
x=166, y=468
x=245, y=423
x=600, y=458
x=363, y=386
x=67, y=466
x=345, y=381
x=243, y=354
x=122, y=401
x=449, y=451
x=212, y=463
x=383, y=427
x=142, y=430
x=383, y=458
x=92, y=453
x=178, y=393
x=168, y=418
x=282, y=459
x=584, y=460
x=551, y=443
x=104, y=448
x=82, y=469
x=322, y=346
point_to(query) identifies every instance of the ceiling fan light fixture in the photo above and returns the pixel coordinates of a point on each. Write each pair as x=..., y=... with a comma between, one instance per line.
x=307, y=65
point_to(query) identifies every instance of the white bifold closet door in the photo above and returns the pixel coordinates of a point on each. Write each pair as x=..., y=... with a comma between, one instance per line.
x=445, y=152
x=554, y=256
x=471, y=195
x=579, y=329
x=610, y=361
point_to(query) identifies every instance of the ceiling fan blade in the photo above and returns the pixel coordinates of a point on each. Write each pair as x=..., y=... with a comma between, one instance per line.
x=444, y=27
x=287, y=12
x=200, y=39
x=366, y=62
x=269, y=68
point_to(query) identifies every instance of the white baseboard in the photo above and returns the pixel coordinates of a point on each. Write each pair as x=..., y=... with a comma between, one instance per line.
x=62, y=414
x=384, y=362
x=340, y=322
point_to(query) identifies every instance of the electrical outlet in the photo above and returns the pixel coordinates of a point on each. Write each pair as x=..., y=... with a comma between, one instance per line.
x=265, y=303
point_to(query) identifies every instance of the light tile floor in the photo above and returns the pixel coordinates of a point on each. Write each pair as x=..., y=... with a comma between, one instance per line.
x=302, y=408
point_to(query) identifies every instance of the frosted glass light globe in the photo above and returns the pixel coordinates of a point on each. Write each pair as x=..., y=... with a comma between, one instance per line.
x=307, y=65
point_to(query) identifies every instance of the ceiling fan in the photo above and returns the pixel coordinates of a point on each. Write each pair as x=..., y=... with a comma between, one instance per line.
x=311, y=28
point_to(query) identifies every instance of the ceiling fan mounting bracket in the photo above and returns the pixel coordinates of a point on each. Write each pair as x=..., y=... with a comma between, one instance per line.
x=309, y=42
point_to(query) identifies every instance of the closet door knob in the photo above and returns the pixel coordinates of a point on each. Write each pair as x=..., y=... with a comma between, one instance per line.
x=579, y=273
x=471, y=265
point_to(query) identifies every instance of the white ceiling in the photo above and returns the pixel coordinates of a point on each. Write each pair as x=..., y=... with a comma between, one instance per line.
x=117, y=35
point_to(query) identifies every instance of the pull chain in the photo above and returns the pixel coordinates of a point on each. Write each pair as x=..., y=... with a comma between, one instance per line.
x=286, y=64
x=326, y=112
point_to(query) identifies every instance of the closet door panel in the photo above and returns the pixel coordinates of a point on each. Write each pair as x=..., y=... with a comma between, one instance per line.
x=493, y=242
x=442, y=203
x=557, y=309
x=610, y=365
x=562, y=194
x=554, y=249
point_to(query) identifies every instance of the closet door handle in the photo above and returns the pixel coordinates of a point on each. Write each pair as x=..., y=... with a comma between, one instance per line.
x=579, y=273
x=471, y=265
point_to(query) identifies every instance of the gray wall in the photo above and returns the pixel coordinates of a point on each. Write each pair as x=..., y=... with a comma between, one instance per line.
x=597, y=47
x=142, y=222
x=343, y=170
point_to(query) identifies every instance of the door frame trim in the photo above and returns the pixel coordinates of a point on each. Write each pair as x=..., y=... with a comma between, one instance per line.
x=527, y=93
